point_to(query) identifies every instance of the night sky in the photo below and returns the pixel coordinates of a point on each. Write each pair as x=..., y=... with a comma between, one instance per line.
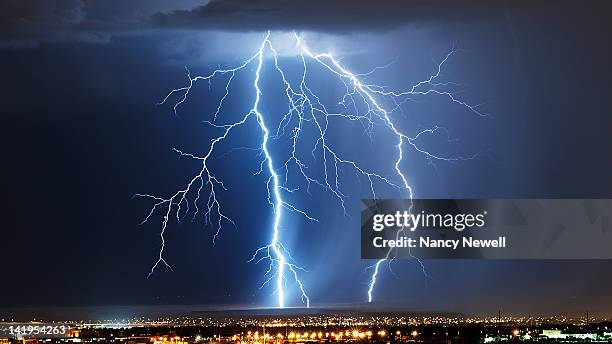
x=81, y=133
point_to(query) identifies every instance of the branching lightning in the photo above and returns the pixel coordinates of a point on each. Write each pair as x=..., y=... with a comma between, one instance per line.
x=305, y=108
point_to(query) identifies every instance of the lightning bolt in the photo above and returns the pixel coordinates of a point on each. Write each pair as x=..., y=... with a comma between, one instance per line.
x=362, y=102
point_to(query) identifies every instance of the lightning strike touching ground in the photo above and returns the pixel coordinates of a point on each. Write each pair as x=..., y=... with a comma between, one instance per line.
x=305, y=108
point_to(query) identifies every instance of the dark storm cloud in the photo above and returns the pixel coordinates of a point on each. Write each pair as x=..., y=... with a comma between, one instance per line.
x=28, y=22
x=341, y=16
x=321, y=15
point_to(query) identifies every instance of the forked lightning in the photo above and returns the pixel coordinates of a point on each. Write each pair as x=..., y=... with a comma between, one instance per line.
x=361, y=102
